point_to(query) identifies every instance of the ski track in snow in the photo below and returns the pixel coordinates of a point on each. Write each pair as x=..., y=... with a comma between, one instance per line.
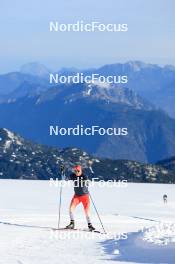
x=141, y=229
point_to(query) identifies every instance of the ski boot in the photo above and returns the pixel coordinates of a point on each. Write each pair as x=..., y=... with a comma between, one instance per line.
x=91, y=228
x=71, y=225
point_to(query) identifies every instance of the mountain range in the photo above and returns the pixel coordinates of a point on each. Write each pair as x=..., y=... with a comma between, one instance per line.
x=152, y=82
x=22, y=159
x=30, y=105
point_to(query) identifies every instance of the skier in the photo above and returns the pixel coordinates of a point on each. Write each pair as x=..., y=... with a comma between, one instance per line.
x=81, y=195
x=165, y=198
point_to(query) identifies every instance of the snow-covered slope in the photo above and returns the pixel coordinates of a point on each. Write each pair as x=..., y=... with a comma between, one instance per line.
x=134, y=216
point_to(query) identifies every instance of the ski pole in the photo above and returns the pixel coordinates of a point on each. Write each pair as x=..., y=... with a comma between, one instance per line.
x=97, y=214
x=60, y=200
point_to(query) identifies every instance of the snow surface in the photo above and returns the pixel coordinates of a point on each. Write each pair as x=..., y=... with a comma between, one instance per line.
x=140, y=227
x=12, y=138
x=101, y=84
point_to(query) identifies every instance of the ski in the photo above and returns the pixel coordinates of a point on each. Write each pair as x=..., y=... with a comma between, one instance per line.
x=48, y=228
x=77, y=229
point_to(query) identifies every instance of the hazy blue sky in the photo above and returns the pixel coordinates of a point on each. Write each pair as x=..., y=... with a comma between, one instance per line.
x=25, y=36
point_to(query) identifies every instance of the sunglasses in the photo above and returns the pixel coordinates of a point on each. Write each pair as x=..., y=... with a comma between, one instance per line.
x=77, y=171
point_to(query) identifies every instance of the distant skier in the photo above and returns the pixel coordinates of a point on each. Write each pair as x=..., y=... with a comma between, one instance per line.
x=81, y=196
x=165, y=198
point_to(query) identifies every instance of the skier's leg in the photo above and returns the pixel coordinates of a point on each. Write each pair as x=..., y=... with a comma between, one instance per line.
x=86, y=204
x=74, y=202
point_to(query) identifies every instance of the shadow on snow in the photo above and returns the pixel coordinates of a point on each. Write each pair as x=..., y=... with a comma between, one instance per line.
x=134, y=249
